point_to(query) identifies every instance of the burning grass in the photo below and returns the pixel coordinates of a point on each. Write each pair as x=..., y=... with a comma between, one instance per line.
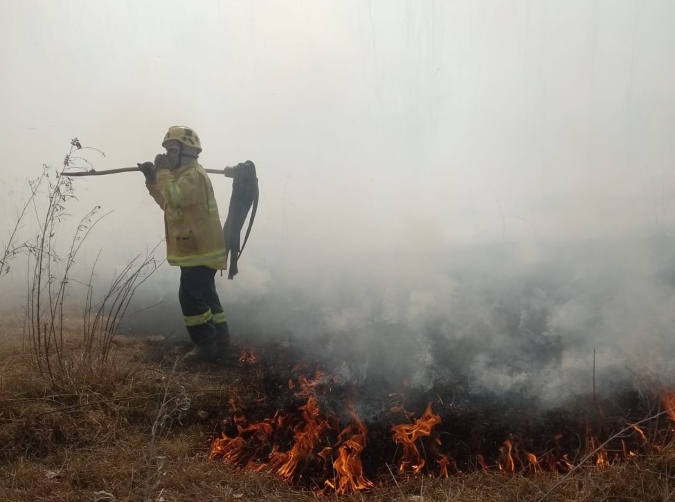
x=270, y=427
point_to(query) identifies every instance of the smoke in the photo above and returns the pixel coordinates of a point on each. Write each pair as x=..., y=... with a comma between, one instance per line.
x=473, y=193
x=544, y=319
x=550, y=321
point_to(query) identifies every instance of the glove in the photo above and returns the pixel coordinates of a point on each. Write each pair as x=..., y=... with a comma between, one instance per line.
x=162, y=162
x=231, y=172
x=148, y=170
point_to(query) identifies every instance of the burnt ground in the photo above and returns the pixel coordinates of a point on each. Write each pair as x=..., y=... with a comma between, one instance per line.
x=471, y=433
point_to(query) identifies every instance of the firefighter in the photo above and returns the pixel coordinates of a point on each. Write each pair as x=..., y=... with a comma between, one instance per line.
x=194, y=238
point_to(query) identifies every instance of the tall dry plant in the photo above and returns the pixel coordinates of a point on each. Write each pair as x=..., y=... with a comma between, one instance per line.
x=49, y=280
x=13, y=246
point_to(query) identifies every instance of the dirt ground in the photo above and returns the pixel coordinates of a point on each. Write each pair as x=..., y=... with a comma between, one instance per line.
x=140, y=429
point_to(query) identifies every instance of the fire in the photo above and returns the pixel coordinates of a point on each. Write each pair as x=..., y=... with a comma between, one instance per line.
x=306, y=438
x=625, y=451
x=240, y=450
x=601, y=454
x=601, y=461
x=481, y=462
x=248, y=356
x=668, y=401
x=640, y=433
x=506, y=460
x=341, y=463
x=308, y=387
x=347, y=467
x=304, y=444
x=533, y=463
x=407, y=434
x=443, y=464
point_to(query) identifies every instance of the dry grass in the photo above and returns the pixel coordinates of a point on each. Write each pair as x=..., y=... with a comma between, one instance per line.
x=67, y=447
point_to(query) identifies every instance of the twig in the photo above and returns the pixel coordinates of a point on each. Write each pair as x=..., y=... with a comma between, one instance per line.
x=104, y=401
x=581, y=463
x=594, y=396
x=395, y=482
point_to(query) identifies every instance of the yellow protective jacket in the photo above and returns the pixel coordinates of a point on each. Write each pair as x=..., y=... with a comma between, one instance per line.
x=191, y=222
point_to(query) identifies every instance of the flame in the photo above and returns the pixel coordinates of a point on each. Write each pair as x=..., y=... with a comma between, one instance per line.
x=240, y=450
x=601, y=461
x=248, y=356
x=311, y=447
x=506, y=460
x=601, y=458
x=640, y=433
x=533, y=463
x=251, y=448
x=443, y=465
x=626, y=452
x=407, y=434
x=668, y=401
x=308, y=387
x=306, y=438
x=348, y=469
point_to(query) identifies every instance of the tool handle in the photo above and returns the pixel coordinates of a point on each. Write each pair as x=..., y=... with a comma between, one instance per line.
x=94, y=172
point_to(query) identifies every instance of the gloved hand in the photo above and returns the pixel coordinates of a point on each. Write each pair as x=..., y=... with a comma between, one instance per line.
x=148, y=170
x=231, y=172
x=162, y=162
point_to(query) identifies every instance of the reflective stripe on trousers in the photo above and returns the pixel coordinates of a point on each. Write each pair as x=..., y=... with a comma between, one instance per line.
x=195, y=320
x=199, y=302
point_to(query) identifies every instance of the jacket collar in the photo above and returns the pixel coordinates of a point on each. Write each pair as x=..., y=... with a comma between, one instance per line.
x=182, y=169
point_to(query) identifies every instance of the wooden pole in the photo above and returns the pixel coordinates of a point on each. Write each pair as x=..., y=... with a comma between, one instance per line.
x=93, y=172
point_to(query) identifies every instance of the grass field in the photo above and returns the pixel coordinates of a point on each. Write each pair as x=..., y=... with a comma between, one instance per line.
x=141, y=430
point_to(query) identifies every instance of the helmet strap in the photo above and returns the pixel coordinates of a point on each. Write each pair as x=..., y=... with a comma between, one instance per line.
x=181, y=154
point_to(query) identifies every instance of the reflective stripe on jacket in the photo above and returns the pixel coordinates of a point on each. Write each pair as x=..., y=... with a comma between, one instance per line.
x=194, y=235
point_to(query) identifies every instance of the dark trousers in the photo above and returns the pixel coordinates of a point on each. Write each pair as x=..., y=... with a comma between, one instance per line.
x=200, y=304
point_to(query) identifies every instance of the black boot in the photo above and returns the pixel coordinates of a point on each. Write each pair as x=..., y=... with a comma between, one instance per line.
x=222, y=339
x=204, y=338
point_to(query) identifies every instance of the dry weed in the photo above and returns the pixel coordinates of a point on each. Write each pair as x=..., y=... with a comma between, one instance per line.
x=68, y=446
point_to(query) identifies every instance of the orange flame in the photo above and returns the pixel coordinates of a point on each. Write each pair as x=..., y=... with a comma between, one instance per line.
x=309, y=450
x=668, y=401
x=306, y=438
x=342, y=462
x=640, y=433
x=601, y=458
x=407, y=434
x=506, y=460
x=601, y=461
x=308, y=387
x=233, y=451
x=348, y=469
x=443, y=464
x=248, y=356
x=533, y=463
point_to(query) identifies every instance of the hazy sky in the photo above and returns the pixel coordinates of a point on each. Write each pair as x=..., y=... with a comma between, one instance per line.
x=386, y=133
